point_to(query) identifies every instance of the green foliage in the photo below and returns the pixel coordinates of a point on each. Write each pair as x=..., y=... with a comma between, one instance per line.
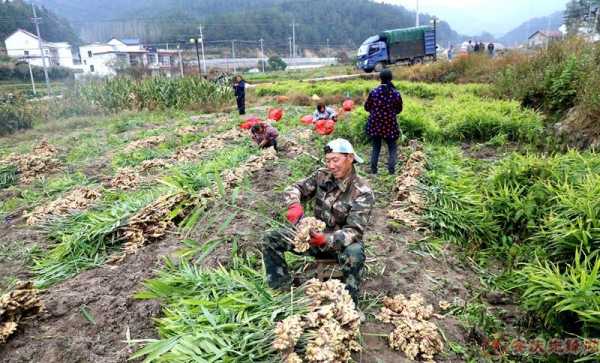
x=456, y=210
x=17, y=15
x=538, y=214
x=276, y=63
x=120, y=93
x=8, y=176
x=86, y=239
x=554, y=79
x=20, y=72
x=468, y=118
x=15, y=114
x=564, y=297
x=352, y=127
x=216, y=315
x=247, y=19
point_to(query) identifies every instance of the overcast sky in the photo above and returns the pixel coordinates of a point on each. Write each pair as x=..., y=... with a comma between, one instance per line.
x=471, y=17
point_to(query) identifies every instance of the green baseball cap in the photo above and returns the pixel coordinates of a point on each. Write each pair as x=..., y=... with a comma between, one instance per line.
x=345, y=147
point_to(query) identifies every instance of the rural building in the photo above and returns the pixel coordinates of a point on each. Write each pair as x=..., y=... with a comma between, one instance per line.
x=24, y=45
x=104, y=59
x=542, y=38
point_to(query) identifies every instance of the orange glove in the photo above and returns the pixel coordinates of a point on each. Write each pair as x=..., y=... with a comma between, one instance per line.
x=318, y=239
x=294, y=213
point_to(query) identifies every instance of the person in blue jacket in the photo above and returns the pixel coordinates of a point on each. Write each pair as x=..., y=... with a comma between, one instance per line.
x=239, y=87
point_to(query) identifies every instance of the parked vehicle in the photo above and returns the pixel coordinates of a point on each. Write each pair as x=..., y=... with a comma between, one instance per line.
x=412, y=45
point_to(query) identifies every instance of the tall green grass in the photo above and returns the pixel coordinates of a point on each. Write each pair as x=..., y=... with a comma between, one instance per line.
x=462, y=119
x=363, y=87
x=121, y=93
x=538, y=214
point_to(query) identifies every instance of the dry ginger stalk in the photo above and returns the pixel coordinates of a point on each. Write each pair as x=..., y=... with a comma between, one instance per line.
x=301, y=240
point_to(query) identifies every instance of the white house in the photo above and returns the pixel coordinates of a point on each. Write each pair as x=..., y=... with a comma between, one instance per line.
x=542, y=38
x=24, y=45
x=103, y=59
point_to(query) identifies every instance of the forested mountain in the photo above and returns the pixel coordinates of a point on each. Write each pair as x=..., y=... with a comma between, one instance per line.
x=343, y=22
x=521, y=33
x=17, y=14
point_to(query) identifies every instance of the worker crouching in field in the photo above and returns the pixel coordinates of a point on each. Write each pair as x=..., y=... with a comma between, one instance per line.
x=343, y=200
x=264, y=135
x=324, y=113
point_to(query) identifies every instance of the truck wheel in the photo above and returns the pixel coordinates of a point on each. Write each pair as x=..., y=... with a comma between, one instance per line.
x=417, y=61
x=368, y=70
x=379, y=67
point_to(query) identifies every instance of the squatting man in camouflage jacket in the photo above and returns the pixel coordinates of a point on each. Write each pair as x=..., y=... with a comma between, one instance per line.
x=343, y=200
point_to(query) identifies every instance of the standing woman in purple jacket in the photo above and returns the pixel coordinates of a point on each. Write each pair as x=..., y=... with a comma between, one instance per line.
x=384, y=104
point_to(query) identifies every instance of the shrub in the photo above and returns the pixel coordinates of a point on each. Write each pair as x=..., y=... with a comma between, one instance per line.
x=15, y=114
x=276, y=63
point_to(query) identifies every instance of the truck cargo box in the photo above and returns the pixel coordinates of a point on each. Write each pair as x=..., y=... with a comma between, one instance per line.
x=410, y=42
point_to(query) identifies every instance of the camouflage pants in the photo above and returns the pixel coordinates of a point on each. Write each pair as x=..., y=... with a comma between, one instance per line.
x=351, y=260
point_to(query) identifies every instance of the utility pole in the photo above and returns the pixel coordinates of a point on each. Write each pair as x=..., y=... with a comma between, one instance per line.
x=328, y=50
x=180, y=61
x=417, y=20
x=294, y=37
x=202, y=45
x=233, y=55
x=290, y=40
x=31, y=75
x=36, y=21
x=262, y=54
x=195, y=41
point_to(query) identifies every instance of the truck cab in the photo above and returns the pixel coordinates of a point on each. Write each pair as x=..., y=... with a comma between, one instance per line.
x=372, y=54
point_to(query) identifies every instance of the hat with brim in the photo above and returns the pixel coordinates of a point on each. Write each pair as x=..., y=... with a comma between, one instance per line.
x=344, y=146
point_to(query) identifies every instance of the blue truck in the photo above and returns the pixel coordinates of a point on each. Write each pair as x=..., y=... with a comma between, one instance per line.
x=409, y=45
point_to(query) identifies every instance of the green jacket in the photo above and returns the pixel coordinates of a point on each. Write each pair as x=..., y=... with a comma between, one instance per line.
x=345, y=206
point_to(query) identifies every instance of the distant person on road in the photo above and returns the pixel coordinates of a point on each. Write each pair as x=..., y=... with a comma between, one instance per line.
x=470, y=47
x=239, y=87
x=481, y=47
x=384, y=104
x=450, y=52
x=324, y=113
x=264, y=135
x=490, y=49
x=476, y=47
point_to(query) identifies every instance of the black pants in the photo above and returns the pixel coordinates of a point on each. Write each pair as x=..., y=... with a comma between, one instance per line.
x=241, y=104
x=392, y=151
x=271, y=143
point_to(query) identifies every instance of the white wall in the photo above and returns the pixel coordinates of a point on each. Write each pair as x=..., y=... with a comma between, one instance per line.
x=97, y=64
x=19, y=44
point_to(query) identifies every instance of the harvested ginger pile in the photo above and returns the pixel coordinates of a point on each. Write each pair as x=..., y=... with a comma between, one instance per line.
x=302, y=237
x=42, y=160
x=327, y=333
x=74, y=201
x=413, y=333
x=20, y=302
